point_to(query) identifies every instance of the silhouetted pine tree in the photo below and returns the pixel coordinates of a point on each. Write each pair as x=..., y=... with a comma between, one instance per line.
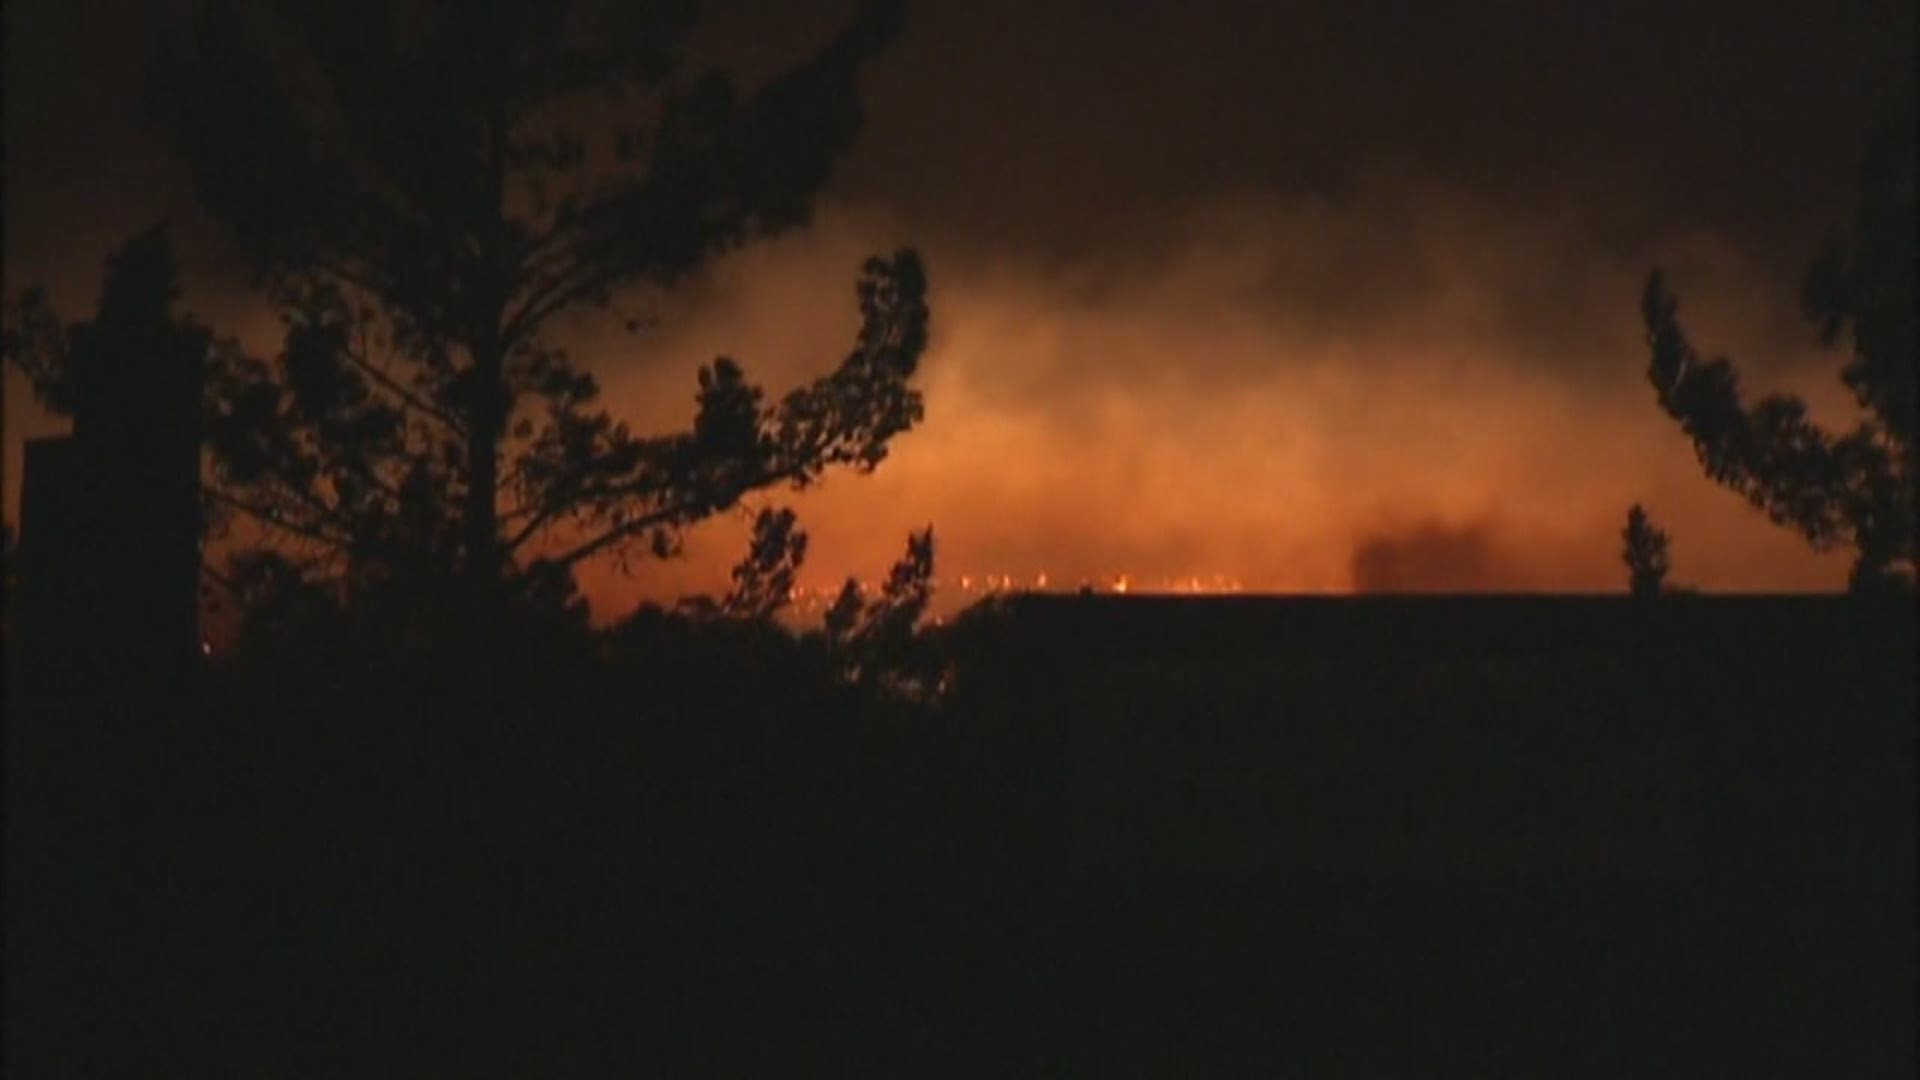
x=1645, y=554
x=425, y=191
x=879, y=640
x=763, y=579
x=1858, y=488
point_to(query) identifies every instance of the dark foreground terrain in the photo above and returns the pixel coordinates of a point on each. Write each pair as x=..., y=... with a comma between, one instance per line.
x=1137, y=837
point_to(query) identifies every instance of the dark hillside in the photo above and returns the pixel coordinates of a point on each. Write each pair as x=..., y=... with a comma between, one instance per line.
x=1138, y=837
x=1491, y=836
x=1584, y=730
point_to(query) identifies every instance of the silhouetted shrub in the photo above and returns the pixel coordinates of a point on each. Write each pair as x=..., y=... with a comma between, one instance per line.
x=1645, y=554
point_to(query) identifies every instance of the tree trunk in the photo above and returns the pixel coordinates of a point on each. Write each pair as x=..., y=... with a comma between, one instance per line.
x=485, y=422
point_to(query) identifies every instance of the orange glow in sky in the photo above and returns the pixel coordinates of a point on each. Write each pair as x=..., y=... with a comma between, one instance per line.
x=1216, y=419
x=1193, y=424
x=1253, y=316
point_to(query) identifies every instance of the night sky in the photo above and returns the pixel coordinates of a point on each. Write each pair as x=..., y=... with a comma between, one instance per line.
x=1299, y=296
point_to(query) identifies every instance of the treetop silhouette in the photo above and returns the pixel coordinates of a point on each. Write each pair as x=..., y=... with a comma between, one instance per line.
x=1855, y=488
x=879, y=639
x=80, y=371
x=424, y=189
x=1645, y=554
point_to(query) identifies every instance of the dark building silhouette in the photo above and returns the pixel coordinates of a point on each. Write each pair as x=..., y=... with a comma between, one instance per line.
x=109, y=556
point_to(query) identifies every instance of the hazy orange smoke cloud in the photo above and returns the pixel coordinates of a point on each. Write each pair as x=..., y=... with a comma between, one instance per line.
x=1407, y=392
x=1429, y=377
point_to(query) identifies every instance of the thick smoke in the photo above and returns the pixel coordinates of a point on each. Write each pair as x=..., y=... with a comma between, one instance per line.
x=1311, y=296
x=1407, y=391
